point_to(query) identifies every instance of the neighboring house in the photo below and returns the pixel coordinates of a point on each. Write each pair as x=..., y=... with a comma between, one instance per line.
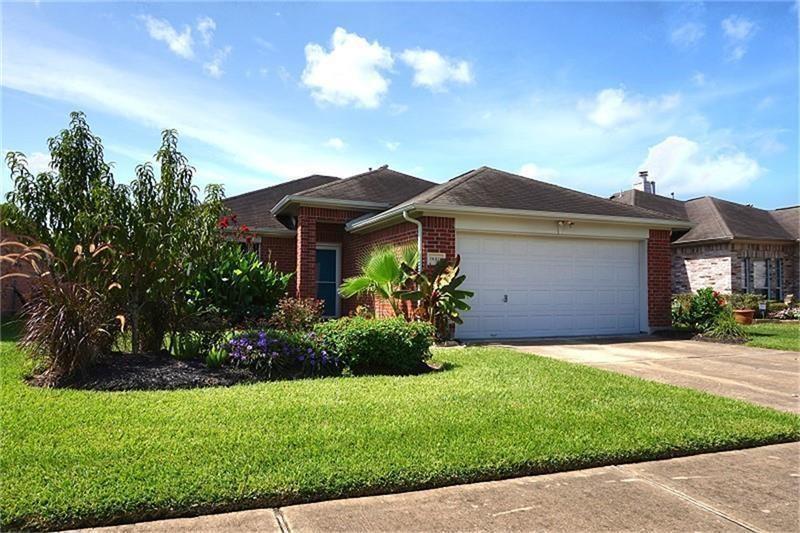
x=731, y=248
x=543, y=260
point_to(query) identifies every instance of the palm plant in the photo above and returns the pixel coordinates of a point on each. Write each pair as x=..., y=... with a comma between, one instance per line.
x=437, y=295
x=382, y=275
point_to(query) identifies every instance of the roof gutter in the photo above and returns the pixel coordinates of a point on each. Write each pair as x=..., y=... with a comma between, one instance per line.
x=298, y=199
x=386, y=216
x=419, y=238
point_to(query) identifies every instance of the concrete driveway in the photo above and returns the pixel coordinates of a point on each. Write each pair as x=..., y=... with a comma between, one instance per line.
x=766, y=377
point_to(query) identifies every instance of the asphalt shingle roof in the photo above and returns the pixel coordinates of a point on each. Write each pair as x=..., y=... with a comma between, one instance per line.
x=382, y=185
x=789, y=218
x=492, y=188
x=717, y=219
x=253, y=208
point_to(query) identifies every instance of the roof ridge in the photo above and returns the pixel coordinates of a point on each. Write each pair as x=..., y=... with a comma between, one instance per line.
x=372, y=171
x=719, y=217
x=453, y=183
x=248, y=193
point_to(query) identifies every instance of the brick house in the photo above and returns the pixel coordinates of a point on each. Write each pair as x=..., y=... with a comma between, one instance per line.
x=542, y=260
x=731, y=247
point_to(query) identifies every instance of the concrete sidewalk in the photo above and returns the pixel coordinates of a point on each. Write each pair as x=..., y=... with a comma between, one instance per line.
x=744, y=490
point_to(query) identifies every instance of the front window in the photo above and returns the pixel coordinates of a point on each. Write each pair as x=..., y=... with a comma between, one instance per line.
x=759, y=277
x=251, y=247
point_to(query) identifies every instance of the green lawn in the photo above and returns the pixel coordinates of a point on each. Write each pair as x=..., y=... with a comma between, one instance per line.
x=74, y=458
x=775, y=335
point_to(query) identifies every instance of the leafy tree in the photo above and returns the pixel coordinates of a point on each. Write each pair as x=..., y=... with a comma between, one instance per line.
x=382, y=275
x=157, y=230
x=75, y=202
x=169, y=234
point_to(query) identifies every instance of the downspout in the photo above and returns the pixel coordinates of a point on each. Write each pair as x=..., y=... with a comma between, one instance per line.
x=419, y=237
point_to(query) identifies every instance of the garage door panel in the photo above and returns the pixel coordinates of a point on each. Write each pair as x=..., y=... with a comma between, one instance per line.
x=627, y=297
x=550, y=286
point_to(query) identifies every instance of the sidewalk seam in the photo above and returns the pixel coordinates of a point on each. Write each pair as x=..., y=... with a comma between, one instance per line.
x=282, y=524
x=697, y=503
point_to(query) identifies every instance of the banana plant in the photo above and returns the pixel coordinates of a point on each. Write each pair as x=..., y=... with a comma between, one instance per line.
x=437, y=295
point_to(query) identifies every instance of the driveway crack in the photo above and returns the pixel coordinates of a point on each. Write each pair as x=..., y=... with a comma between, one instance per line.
x=282, y=523
x=693, y=501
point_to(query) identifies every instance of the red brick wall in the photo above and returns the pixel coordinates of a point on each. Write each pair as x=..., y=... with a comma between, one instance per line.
x=358, y=246
x=659, y=290
x=281, y=251
x=14, y=291
x=438, y=235
x=309, y=220
x=327, y=225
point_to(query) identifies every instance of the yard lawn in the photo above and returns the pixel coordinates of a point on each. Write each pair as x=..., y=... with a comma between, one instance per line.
x=775, y=335
x=74, y=458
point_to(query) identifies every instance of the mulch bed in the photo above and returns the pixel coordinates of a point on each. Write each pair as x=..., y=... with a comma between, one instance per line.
x=719, y=340
x=160, y=371
x=127, y=372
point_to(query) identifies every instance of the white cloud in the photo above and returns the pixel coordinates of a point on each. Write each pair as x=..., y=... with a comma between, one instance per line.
x=765, y=103
x=531, y=170
x=391, y=145
x=685, y=167
x=350, y=73
x=38, y=162
x=180, y=43
x=265, y=44
x=336, y=143
x=699, y=79
x=206, y=27
x=738, y=32
x=397, y=109
x=242, y=134
x=214, y=67
x=687, y=35
x=614, y=107
x=284, y=75
x=434, y=71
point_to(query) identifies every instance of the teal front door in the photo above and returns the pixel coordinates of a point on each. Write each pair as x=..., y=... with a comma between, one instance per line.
x=327, y=280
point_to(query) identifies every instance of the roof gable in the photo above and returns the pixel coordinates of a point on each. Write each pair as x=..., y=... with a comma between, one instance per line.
x=253, y=208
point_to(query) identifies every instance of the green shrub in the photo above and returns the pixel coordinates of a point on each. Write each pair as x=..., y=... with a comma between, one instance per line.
x=216, y=357
x=297, y=314
x=741, y=300
x=697, y=312
x=390, y=345
x=238, y=285
x=726, y=327
x=185, y=345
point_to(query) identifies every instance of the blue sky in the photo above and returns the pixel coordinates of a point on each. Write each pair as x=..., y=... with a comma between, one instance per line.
x=704, y=96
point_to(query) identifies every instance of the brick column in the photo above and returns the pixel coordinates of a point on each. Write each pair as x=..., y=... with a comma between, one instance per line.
x=438, y=235
x=659, y=291
x=306, y=272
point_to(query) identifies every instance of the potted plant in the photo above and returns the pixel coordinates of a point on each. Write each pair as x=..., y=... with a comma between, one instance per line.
x=744, y=307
